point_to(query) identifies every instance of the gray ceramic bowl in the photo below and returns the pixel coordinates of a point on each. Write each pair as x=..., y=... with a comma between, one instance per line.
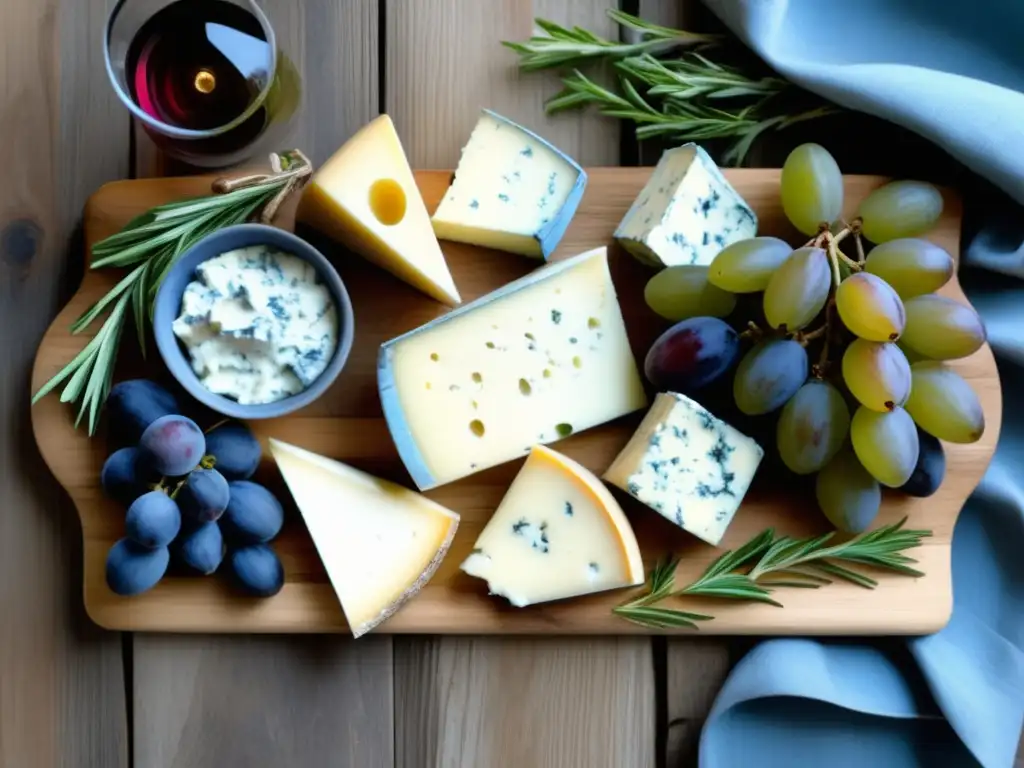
x=168, y=307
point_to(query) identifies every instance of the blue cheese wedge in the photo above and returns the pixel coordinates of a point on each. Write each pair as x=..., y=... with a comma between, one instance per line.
x=512, y=191
x=537, y=360
x=258, y=324
x=688, y=466
x=557, y=533
x=686, y=213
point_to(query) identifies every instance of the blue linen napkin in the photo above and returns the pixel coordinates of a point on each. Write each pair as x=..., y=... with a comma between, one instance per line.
x=951, y=72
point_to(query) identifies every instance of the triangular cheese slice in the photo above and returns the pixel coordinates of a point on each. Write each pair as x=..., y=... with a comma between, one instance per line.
x=365, y=197
x=557, y=533
x=380, y=543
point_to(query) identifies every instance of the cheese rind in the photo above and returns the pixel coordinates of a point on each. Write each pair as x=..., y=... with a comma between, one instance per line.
x=365, y=196
x=512, y=191
x=688, y=466
x=538, y=359
x=686, y=213
x=557, y=533
x=380, y=543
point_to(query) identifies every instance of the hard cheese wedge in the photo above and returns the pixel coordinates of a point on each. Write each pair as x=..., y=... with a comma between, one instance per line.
x=380, y=543
x=365, y=197
x=512, y=191
x=688, y=466
x=557, y=533
x=686, y=213
x=532, y=362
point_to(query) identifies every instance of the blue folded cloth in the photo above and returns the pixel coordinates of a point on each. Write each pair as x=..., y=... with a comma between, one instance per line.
x=952, y=72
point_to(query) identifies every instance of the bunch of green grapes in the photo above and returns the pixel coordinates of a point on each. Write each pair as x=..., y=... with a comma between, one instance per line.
x=851, y=346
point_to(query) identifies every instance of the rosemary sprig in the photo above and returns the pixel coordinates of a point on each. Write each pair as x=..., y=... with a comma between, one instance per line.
x=766, y=563
x=688, y=97
x=150, y=244
x=570, y=47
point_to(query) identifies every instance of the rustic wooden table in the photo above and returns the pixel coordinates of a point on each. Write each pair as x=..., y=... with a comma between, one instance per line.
x=74, y=695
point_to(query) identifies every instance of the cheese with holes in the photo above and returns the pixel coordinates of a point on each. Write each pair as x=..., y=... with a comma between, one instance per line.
x=512, y=191
x=380, y=543
x=366, y=198
x=557, y=533
x=538, y=359
x=686, y=213
x=688, y=466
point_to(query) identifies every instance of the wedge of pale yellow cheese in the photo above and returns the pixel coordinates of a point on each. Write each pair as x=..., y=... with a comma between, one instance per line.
x=557, y=533
x=380, y=543
x=365, y=197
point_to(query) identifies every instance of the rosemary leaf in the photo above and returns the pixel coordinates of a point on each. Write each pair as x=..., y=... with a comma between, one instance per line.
x=768, y=562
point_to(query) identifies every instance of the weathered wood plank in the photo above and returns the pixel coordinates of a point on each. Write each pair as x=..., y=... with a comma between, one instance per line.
x=231, y=700
x=463, y=701
x=695, y=670
x=61, y=682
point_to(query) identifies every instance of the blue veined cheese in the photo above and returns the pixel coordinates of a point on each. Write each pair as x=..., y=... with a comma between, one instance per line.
x=258, y=324
x=686, y=213
x=512, y=191
x=532, y=362
x=557, y=533
x=688, y=466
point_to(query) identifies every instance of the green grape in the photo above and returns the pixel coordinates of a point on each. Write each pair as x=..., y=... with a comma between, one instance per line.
x=812, y=188
x=900, y=209
x=682, y=292
x=877, y=374
x=768, y=375
x=847, y=493
x=746, y=266
x=911, y=266
x=870, y=308
x=941, y=328
x=886, y=444
x=812, y=427
x=798, y=289
x=944, y=405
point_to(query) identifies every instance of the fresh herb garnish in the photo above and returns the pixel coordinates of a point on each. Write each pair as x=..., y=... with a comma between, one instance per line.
x=767, y=562
x=151, y=244
x=675, y=95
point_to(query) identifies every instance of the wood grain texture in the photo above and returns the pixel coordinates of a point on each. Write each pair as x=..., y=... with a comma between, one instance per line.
x=444, y=62
x=276, y=701
x=346, y=423
x=528, y=702
x=61, y=683
x=263, y=702
x=696, y=669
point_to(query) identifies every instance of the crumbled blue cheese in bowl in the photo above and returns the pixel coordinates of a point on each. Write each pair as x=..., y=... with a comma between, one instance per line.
x=258, y=324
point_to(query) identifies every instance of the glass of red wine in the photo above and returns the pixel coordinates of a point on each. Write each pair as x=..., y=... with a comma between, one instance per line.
x=205, y=78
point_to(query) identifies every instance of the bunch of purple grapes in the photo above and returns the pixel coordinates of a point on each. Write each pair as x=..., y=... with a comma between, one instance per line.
x=189, y=497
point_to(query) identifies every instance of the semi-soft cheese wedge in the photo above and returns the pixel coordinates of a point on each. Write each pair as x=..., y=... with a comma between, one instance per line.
x=557, y=533
x=380, y=543
x=532, y=362
x=365, y=196
x=686, y=213
x=688, y=466
x=512, y=191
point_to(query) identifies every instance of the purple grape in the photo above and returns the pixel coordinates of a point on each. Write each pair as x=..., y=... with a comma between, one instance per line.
x=204, y=495
x=253, y=516
x=135, y=404
x=120, y=477
x=236, y=450
x=153, y=520
x=930, y=469
x=691, y=354
x=172, y=446
x=257, y=570
x=201, y=548
x=132, y=568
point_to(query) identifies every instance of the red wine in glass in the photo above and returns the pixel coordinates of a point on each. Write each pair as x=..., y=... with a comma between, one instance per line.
x=204, y=76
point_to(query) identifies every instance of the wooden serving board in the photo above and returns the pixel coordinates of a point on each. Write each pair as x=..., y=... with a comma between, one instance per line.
x=347, y=424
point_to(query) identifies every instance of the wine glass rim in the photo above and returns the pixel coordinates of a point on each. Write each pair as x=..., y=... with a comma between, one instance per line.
x=190, y=133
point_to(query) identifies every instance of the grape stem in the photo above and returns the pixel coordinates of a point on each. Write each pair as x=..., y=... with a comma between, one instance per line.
x=859, y=242
x=833, y=260
x=803, y=338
